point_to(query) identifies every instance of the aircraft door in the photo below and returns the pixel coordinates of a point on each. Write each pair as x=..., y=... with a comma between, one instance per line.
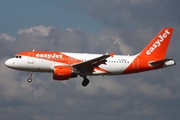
x=71, y=60
x=31, y=58
x=136, y=63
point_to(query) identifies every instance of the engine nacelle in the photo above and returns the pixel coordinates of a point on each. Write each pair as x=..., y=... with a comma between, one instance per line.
x=63, y=73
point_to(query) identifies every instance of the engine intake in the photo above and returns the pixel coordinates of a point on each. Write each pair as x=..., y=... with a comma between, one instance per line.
x=63, y=73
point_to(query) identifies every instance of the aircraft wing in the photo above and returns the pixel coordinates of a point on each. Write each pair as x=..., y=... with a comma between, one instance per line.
x=90, y=64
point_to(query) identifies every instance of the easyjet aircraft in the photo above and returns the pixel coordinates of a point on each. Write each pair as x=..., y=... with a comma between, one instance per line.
x=65, y=65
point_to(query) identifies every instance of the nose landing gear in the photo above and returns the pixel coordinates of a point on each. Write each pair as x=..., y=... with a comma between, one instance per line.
x=30, y=77
x=29, y=80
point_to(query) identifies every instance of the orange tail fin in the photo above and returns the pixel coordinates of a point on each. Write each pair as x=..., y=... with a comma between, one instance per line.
x=158, y=46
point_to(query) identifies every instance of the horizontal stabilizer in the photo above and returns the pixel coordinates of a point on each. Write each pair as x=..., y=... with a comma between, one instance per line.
x=162, y=62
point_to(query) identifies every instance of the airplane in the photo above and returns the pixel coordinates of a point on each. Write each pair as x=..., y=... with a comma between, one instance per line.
x=64, y=65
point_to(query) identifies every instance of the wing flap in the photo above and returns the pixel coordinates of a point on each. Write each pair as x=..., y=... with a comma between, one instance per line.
x=90, y=64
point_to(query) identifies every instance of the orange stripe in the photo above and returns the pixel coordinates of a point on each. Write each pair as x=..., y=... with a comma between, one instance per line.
x=55, y=57
x=51, y=56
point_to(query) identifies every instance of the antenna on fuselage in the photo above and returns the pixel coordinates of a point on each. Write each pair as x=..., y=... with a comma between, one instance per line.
x=33, y=50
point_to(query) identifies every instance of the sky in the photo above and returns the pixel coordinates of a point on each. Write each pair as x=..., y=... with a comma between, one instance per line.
x=88, y=26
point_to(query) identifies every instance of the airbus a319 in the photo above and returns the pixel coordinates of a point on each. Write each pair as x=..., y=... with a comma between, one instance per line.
x=64, y=65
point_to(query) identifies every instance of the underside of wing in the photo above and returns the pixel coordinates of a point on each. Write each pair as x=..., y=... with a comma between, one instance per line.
x=88, y=66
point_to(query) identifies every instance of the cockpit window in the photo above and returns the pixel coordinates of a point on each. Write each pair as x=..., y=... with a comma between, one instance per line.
x=18, y=56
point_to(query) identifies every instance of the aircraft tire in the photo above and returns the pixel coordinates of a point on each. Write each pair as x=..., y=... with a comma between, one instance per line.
x=85, y=82
x=29, y=80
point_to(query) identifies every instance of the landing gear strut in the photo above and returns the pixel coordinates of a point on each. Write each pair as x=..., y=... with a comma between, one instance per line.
x=85, y=81
x=30, y=77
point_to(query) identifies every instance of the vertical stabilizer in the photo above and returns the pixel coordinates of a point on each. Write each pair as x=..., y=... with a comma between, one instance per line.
x=158, y=46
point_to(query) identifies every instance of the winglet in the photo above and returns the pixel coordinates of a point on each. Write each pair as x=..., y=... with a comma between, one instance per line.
x=112, y=54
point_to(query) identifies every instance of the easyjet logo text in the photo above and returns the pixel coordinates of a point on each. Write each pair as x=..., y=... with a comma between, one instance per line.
x=158, y=42
x=49, y=56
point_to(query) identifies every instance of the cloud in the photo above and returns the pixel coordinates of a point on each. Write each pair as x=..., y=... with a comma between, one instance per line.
x=139, y=2
x=103, y=86
x=133, y=13
x=70, y=39
x=153, y=90
x=115, y=41
x=37, y=30
x=5, y=37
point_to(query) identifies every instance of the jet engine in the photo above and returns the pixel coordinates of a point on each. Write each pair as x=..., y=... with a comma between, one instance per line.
x=63, y=73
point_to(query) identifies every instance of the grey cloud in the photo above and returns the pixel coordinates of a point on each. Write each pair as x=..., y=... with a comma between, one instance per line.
x=134, y=13
x=69, y=40
x=37, y=30
x=5, y=37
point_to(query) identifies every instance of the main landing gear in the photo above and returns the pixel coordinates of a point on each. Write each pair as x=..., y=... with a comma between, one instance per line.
x=85, y=81
x=30, y=77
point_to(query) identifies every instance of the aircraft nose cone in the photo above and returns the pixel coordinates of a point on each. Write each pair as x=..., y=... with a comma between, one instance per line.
x=8, y=63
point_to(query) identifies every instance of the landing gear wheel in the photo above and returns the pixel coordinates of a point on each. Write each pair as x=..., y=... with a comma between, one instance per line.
x=85, y=82
x=29, y=80
x=30, y=77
